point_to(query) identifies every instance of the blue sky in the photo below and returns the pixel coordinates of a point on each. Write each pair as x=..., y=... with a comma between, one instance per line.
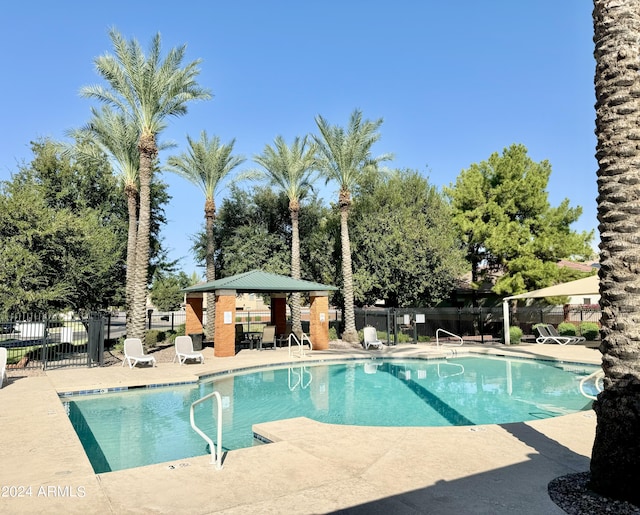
x=454, y=81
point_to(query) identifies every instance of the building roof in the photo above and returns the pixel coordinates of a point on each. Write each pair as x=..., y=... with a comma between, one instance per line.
x=257, y=281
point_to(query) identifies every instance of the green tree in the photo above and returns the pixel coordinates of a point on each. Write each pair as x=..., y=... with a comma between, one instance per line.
x=502, y=211
x=344, y=156
x=408, y=250
x=114, y=135
x=166, y=290
x=147, y=90
x=253, y=231
x=207, y=164
x=289, y=169
x=615, y=459
x=63, y=244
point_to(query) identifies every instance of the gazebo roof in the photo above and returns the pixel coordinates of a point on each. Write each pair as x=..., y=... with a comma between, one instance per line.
x=259, y=281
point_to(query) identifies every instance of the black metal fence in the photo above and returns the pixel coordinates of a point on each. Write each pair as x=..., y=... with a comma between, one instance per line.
x=46, y=342
x=472, y=324
x=52, y=341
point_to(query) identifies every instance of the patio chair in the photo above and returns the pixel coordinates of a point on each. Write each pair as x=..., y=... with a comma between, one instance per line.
x=134, y=353
x=3, y=365
x=554, y=332
x=371, y=338
x=545, y=336
x=184, y=350
x=242, y=341
x=268, y=337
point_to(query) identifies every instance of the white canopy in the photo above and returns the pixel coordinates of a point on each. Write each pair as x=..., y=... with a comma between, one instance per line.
x=586, y=286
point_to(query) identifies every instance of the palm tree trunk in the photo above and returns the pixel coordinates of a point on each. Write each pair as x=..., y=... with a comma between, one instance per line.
x=350, y=333
x=148, y=152
x=296, y=319
x=209, y=214
x=615, y=458
x=132, y=208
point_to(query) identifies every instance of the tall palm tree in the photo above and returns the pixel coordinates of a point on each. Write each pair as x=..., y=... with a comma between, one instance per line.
x=207, y=164
x=345, y=157
x=118, y=137
x=290, y=169
x=147, y=90
x=615, y=459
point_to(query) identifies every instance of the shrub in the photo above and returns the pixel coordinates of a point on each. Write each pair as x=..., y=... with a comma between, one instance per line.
x=153, y=337
x=566, y=329
x=515, y=334
x=589, y=330
x=333, y=334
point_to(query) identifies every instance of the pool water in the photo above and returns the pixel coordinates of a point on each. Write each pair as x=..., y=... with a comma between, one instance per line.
x=145, y=426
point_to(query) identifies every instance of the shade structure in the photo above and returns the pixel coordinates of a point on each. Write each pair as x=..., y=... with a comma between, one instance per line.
x=586, y=286
x=257, y=281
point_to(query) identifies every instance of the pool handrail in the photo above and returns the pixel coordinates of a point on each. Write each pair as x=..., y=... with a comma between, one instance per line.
x=596, y=376
x=299, y=343
x=450, y=334
x=218, y=453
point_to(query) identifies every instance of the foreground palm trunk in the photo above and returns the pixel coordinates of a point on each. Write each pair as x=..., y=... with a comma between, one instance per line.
x=615, y=460
x=148, y=151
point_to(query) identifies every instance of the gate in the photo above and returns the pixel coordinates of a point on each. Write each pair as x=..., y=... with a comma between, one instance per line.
x=38, y=341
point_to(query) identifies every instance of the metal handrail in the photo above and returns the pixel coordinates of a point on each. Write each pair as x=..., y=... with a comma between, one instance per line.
x=450, y=334
x=597, y=376
x=218, y=454
x=299, y=343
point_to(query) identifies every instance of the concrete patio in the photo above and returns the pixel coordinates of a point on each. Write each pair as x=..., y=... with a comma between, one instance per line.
x=311, y=467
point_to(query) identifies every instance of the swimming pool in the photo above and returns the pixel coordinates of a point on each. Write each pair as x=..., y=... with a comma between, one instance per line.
x=144, y=426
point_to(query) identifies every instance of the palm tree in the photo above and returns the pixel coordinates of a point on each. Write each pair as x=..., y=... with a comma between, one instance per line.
x=289, y=169
x=206, y=165
x=118, y=138
x=147, y=91
x=615, y=459
x=345, y=157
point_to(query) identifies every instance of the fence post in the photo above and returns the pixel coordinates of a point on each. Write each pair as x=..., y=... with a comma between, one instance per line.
x=172, y=316
x=96, y=339
x=43, y=342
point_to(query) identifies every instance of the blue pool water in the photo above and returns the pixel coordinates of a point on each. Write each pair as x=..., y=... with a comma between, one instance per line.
x=144, y=426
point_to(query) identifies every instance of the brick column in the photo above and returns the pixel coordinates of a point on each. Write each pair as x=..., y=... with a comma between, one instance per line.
x=319, y=319
x=193, y=321
x=225, y=341
x=279, y=312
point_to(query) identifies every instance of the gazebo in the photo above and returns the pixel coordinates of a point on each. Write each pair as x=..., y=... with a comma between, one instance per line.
x=257, y=281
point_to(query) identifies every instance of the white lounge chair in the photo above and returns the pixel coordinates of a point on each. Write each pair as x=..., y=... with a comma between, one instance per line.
x=184, y=350
x=134, y=353
x=546, y=335
x=3, y=365
x=371, y=338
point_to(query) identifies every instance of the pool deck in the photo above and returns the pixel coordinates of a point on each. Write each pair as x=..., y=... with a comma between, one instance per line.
x=311, y=467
